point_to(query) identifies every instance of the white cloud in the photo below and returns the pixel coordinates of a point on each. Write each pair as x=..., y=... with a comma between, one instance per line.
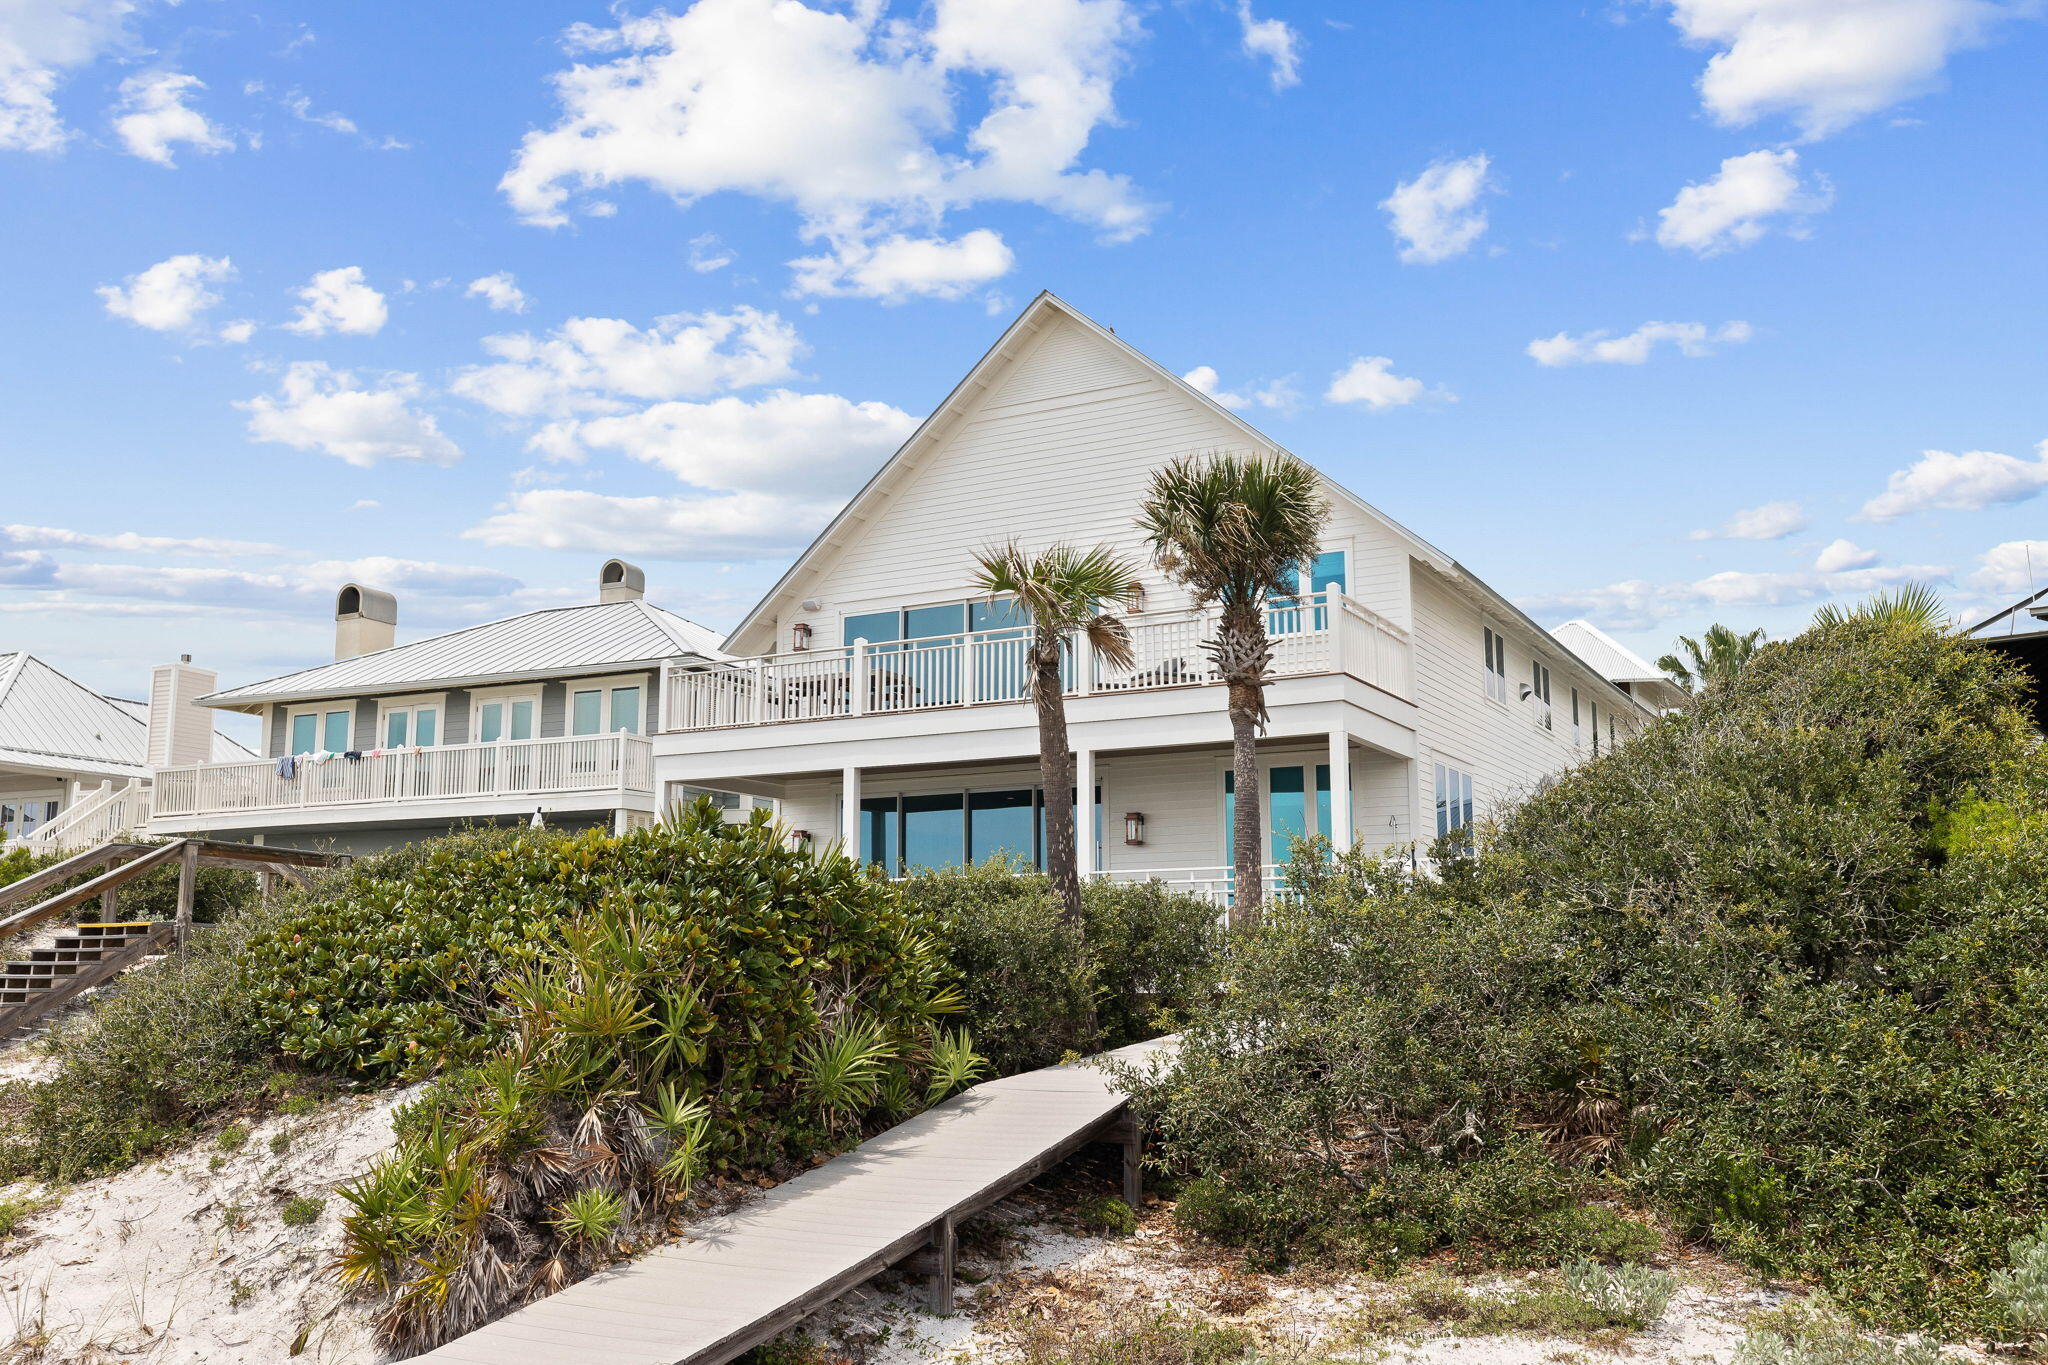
x=896, y=268
x=1771, y=521
x=1604, y=348
x=1826, y=63
x=853, y=119
x=2013, y=567
x=1271, y=41
x=321, y=408
x=1280, y=394
x=592, y=364
x=735, y=526
x=811, y=445
x=500, y=291
x=238, y=331
x=1740, y=203
x=170, y=295
x=707, y=253
x=42, y=41
x=1436, y=215
x=339, y=300
x=57, y=537
x=152, y=118
x=1370, y=381
x=1639, y=603
x=1838, y=555
x=1968, y=482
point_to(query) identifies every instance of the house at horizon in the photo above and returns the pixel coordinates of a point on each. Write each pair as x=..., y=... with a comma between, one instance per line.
x=877, y=700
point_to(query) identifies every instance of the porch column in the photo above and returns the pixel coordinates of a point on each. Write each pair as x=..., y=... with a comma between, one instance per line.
x=1340, y=832
x=1084, y=812
x=849, y=811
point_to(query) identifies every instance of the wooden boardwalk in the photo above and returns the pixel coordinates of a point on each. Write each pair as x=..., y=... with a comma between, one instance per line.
x=739, y=1280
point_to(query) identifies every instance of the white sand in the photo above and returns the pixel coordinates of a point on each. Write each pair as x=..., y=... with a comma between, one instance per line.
x=176, y=1261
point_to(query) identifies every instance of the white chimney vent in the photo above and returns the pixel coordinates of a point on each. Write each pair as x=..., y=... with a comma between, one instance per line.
x=619, y=581
x=365, y=620
x=180, y=729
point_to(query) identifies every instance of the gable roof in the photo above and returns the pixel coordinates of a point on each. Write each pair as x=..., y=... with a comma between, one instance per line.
x=1040, y=313
x=2018, y=619
x=1614, y=660
x=559, y=642
x=50, y=720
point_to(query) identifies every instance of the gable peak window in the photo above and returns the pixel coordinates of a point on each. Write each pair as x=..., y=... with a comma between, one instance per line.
x=1496, y=664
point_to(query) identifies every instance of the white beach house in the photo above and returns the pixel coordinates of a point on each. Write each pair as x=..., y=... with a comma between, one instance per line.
x=879, y=700
x=545, y=713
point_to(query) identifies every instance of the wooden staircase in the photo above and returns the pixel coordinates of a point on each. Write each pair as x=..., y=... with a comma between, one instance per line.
x=99, y=950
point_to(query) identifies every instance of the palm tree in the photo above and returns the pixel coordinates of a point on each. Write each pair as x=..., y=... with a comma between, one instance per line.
x=1915, y=605
x=1063, y=588
x=1235, y=529
x=1713, y=660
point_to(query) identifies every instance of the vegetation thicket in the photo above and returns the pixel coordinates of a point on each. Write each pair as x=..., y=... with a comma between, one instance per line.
x=1776, y=969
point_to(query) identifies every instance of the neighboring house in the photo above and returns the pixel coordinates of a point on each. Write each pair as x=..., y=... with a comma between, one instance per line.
x=542, y=714
x=75, y=763
x=2020, y=632
x=1622, y=666
x=881, y=699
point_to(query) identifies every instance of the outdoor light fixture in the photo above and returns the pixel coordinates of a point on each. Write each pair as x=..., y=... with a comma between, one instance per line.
x=1137, y=600
x=800, y=636
x=1134, y=827
x=800, y=840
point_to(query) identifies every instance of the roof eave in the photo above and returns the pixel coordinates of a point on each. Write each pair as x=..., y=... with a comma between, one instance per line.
x=239, y=700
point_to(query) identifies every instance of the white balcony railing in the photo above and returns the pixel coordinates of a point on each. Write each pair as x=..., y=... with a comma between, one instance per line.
x=619, y=763
x=1328, y=633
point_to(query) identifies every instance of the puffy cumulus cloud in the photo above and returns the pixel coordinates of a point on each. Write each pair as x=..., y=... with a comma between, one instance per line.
x=596, y=364
x=898, y=268
x=41, y=42
x=735, y=526
x=1436, y=215
x=1771, y=521
x=808, y=444
x=1370, y=381
x=131, y=542
x=317, y=407
x=1965, y=482
x=152, y=117
x=861, y=123
x=1838, y=555
x=1271, y=41
x=1826, y=63
x=1636, y=604
x=1280, y=394
x=2014, y=566
x=171, y=295
x=339, y=300
x=500, y=291
x=1604, y=348
x=1740, y=204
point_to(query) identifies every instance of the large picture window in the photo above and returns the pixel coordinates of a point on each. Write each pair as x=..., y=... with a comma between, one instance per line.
x=903, y=834
x=330, y=728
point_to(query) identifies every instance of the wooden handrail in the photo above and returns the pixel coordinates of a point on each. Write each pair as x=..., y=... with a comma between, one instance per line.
x=25, y=887
x=196, y=852
x=85, y=891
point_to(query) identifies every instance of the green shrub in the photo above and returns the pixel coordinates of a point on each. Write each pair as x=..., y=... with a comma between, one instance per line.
x=1144, y=956
x=2021, y=1289
x=1773, y=968
x=1623, y=1295
x=1134, y=1338
x=17, y=1210
x=301, y=1212
x=1107, y=1216
x=1813, y=1339
x=232, y=1138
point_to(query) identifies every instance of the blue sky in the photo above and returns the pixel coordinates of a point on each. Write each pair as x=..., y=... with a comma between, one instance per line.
x=1658, y=313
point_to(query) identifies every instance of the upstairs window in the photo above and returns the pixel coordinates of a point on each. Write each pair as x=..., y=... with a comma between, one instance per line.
x=1539, y=691
x=1578, y=733
x=329, y=728
x=1496, y=665
x=1453, y=801
x=604, y=710
x=1596, y=729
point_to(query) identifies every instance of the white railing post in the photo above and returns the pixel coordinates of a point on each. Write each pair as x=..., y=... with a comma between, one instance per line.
x=969, y=685
x=857, y=680
x=761, y=675
x=1084, y=664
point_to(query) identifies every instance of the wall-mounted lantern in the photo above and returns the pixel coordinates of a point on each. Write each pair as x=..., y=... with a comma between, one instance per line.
x=800, y=840
x=1134, y=827
x=800, y=636
x=1137, y=601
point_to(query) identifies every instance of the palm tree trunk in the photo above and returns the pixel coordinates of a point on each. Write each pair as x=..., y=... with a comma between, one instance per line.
x=1246, y=863
x=1056, y=774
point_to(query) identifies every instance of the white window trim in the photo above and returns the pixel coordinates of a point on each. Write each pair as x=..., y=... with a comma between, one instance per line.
x=319, y=711
x=386, y=705
x=506, y=695
x=603, y=687
x=1494, y=684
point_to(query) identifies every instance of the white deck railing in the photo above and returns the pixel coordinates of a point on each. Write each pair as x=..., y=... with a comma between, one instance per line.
x=106, y=812
x=1328, y=633
x=450, y=772
x=1213, y=884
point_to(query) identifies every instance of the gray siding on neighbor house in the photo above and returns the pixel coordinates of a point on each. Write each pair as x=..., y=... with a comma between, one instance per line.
x=455, y=718
x=554, y=710
x=277, y=736
x=366, y=723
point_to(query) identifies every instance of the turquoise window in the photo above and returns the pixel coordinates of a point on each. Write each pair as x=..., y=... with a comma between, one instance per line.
x=397, y=729
x=626, y=710
x=1286, y=810
x=878, y=831
x=424, y=724
x=522, y=719
x=1328, y=572
x=335, y=731
x=490, y=722
x=922, y=623
x=586, y=713
x=1001, y=823
x=1323, y=800
x=875, y=627
x=305, y=730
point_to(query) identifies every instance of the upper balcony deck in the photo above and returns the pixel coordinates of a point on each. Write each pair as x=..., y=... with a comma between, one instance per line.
x=1325, y=633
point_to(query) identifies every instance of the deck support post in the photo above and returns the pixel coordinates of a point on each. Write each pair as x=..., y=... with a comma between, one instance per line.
x=107, y=904
x=188, y=888
x=266, y=888
x=944, y=1253
x=1340, y=831
x=1127, y=1133
x=849, y=815
x=1084, y=814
